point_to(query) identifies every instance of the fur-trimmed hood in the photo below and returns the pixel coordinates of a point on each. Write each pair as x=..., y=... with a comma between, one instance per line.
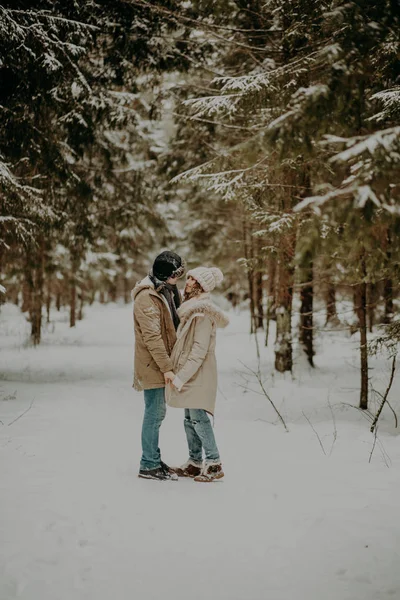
x=142, y=285
x=202, y=305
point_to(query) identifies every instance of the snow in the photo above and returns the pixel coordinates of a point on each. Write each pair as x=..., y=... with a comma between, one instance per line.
x=287, y=522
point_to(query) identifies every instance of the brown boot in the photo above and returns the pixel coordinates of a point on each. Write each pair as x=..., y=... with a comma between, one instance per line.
x=189, y=469
x=210, y=472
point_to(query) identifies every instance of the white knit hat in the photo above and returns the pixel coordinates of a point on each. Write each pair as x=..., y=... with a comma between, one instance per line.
x=208, y=278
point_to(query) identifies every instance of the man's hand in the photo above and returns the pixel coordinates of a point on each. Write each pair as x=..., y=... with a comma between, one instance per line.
x=169, y=376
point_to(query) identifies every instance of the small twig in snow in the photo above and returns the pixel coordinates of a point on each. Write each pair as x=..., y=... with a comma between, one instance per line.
x=334, y=426
x=22, y=414
x=260, y=381
x=365, y=413
x=316, y=433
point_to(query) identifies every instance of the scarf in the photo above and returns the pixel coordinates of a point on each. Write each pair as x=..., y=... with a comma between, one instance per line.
x=171, y=294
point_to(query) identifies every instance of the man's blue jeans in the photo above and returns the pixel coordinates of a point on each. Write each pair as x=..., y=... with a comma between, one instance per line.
x=200, y=435
x=154, y=414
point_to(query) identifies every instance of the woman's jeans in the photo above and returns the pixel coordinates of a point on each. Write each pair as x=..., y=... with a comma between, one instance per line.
x=154, y=413
x=200, y=435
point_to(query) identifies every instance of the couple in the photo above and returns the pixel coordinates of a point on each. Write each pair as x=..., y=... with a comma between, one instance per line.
x=175, y=362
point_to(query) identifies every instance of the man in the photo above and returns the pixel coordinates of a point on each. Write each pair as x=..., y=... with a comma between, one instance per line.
x=156, y=300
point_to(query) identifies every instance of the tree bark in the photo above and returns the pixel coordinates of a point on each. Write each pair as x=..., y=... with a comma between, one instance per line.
x=306, y=312
x=248, y=254
x=26, y=292
x=388, y=297
x=258, y=300
x=81, y=297
x=48, y=300
x=372, y=300
x=72, y=303
x=112, y=290
x=58, y=298
x=361, y=310
x=388, y=285
x=75, y=262
x=127, y=296
x=34, y=273
x=271, y=308
x=330, y=300
x=284, y=298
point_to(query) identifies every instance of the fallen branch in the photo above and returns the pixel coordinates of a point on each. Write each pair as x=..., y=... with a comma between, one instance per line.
x=378, y=414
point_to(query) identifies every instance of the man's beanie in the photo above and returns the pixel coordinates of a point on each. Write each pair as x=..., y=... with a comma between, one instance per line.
x=208, y=278
x=168, y=264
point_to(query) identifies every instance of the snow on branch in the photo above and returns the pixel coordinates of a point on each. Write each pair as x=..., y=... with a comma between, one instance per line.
x=391, y=104
x=245, y=83
x=387, y=140
x=211, y=105
x=361, y=195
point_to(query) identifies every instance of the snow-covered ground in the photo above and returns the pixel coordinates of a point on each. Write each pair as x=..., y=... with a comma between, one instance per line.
x=288, y=522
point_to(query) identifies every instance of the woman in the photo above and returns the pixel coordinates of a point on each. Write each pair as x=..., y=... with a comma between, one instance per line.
x=194, y=386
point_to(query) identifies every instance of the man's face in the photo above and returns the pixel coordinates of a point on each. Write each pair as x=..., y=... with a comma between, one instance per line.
x=172, y=280
x=190, y=282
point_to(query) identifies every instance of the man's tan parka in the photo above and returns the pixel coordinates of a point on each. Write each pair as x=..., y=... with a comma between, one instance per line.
x=154, y=336
x=193, y=356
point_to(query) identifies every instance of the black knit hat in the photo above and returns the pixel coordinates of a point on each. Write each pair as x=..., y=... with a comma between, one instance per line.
x=168, y=264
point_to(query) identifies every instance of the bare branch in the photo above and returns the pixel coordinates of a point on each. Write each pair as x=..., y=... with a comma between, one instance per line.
x=260, y=381
x=315, y=431
x=378, y=414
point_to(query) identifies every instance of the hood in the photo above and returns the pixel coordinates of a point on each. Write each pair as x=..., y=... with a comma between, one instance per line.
x=202, y=305
x=142, y=285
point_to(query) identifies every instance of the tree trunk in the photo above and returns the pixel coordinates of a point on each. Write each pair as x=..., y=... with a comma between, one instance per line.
x=48, y=300
x=26, y=293
x=284, y=297
x=72, y=302
x=81, y=298
x=270, y=312
x=306, y=312
x=112, y=291
x=361, y=309
x=34, y=273
x=58, y=298
x=92, y=296
x=388, y=297
x=372, y=290
x=102, y=297
x=127, y=296
x=248, y=253
x=258, y=300
x=330, y=300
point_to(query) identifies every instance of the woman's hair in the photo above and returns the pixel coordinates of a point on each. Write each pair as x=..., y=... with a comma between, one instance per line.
x=195, y=291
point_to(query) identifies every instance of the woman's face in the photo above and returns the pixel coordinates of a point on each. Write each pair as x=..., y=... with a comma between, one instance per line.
x=190, y=282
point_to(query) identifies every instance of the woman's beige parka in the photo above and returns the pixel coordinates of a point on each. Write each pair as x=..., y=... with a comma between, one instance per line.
x=193, y=356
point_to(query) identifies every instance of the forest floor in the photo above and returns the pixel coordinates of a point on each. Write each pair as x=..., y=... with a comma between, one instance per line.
x=300, y=515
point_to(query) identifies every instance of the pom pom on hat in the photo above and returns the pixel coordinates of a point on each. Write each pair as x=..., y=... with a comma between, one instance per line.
x=208, y=278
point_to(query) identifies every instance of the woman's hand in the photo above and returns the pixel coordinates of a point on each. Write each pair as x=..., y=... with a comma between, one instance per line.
x=169, y=376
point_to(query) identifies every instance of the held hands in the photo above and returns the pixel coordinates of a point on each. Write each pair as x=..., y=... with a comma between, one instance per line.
x=169, y=376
